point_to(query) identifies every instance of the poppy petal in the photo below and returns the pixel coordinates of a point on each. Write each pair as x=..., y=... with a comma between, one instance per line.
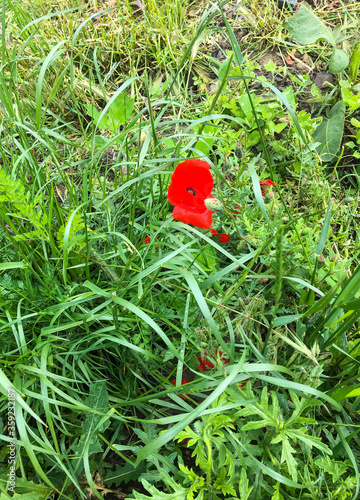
x=204, y=365
x=188, y=216
x=223, y=238
x=190, y=185
x=267, y=182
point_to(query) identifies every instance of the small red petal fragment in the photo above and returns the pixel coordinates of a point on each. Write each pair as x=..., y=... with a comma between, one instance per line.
x=224, y=238
x=183, y=381
x=205, y=365
x=241, y=384
x=267, y=182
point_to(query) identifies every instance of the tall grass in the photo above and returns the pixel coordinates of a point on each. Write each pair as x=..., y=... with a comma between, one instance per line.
x=95, y=323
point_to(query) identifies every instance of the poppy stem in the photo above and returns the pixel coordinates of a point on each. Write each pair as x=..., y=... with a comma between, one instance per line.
x=229, y=213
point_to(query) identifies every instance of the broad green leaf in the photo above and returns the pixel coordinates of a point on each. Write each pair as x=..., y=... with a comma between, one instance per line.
x=354, y=394
x=355, y=63
x=207, y=258
x=120, y=111
x=11, y=265
x=330, y=131
x=352, y=305
x=346, y=392
x=257, y=190
x=224, y=69
x=338, y=61
x=95, y=115
x=305, y=27
x=205, y=142
x=350, y=100
x=285, y=320
x=355, y=122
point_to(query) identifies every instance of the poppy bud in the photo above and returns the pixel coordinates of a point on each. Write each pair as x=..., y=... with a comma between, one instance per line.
x=214, y=204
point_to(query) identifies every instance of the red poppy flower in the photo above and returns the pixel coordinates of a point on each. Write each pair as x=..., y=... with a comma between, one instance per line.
x=183, y=381
x=267, y=182
x=205, y=365
x=147, y=240
x=191, y=184
x=224, y=238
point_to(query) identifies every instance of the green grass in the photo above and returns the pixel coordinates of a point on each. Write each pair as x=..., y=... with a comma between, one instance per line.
x=97, y=323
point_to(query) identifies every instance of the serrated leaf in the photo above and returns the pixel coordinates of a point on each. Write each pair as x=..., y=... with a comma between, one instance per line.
x=309, y=440
x=123, y=475
x=287, y=456
x=305, y=27
x=332, y=467
x=244, y=489
x=270, y=66
x=27, y=496
x=98, y=399
x=258, y=424
x=330, y=131
x=277, y=495
x=338, y=61
x=179, y=492
x=28, y=490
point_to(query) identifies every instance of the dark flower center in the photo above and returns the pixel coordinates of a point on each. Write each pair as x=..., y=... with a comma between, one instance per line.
x=191, y=190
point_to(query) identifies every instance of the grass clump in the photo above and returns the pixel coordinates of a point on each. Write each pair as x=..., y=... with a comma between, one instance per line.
x=152, y=358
